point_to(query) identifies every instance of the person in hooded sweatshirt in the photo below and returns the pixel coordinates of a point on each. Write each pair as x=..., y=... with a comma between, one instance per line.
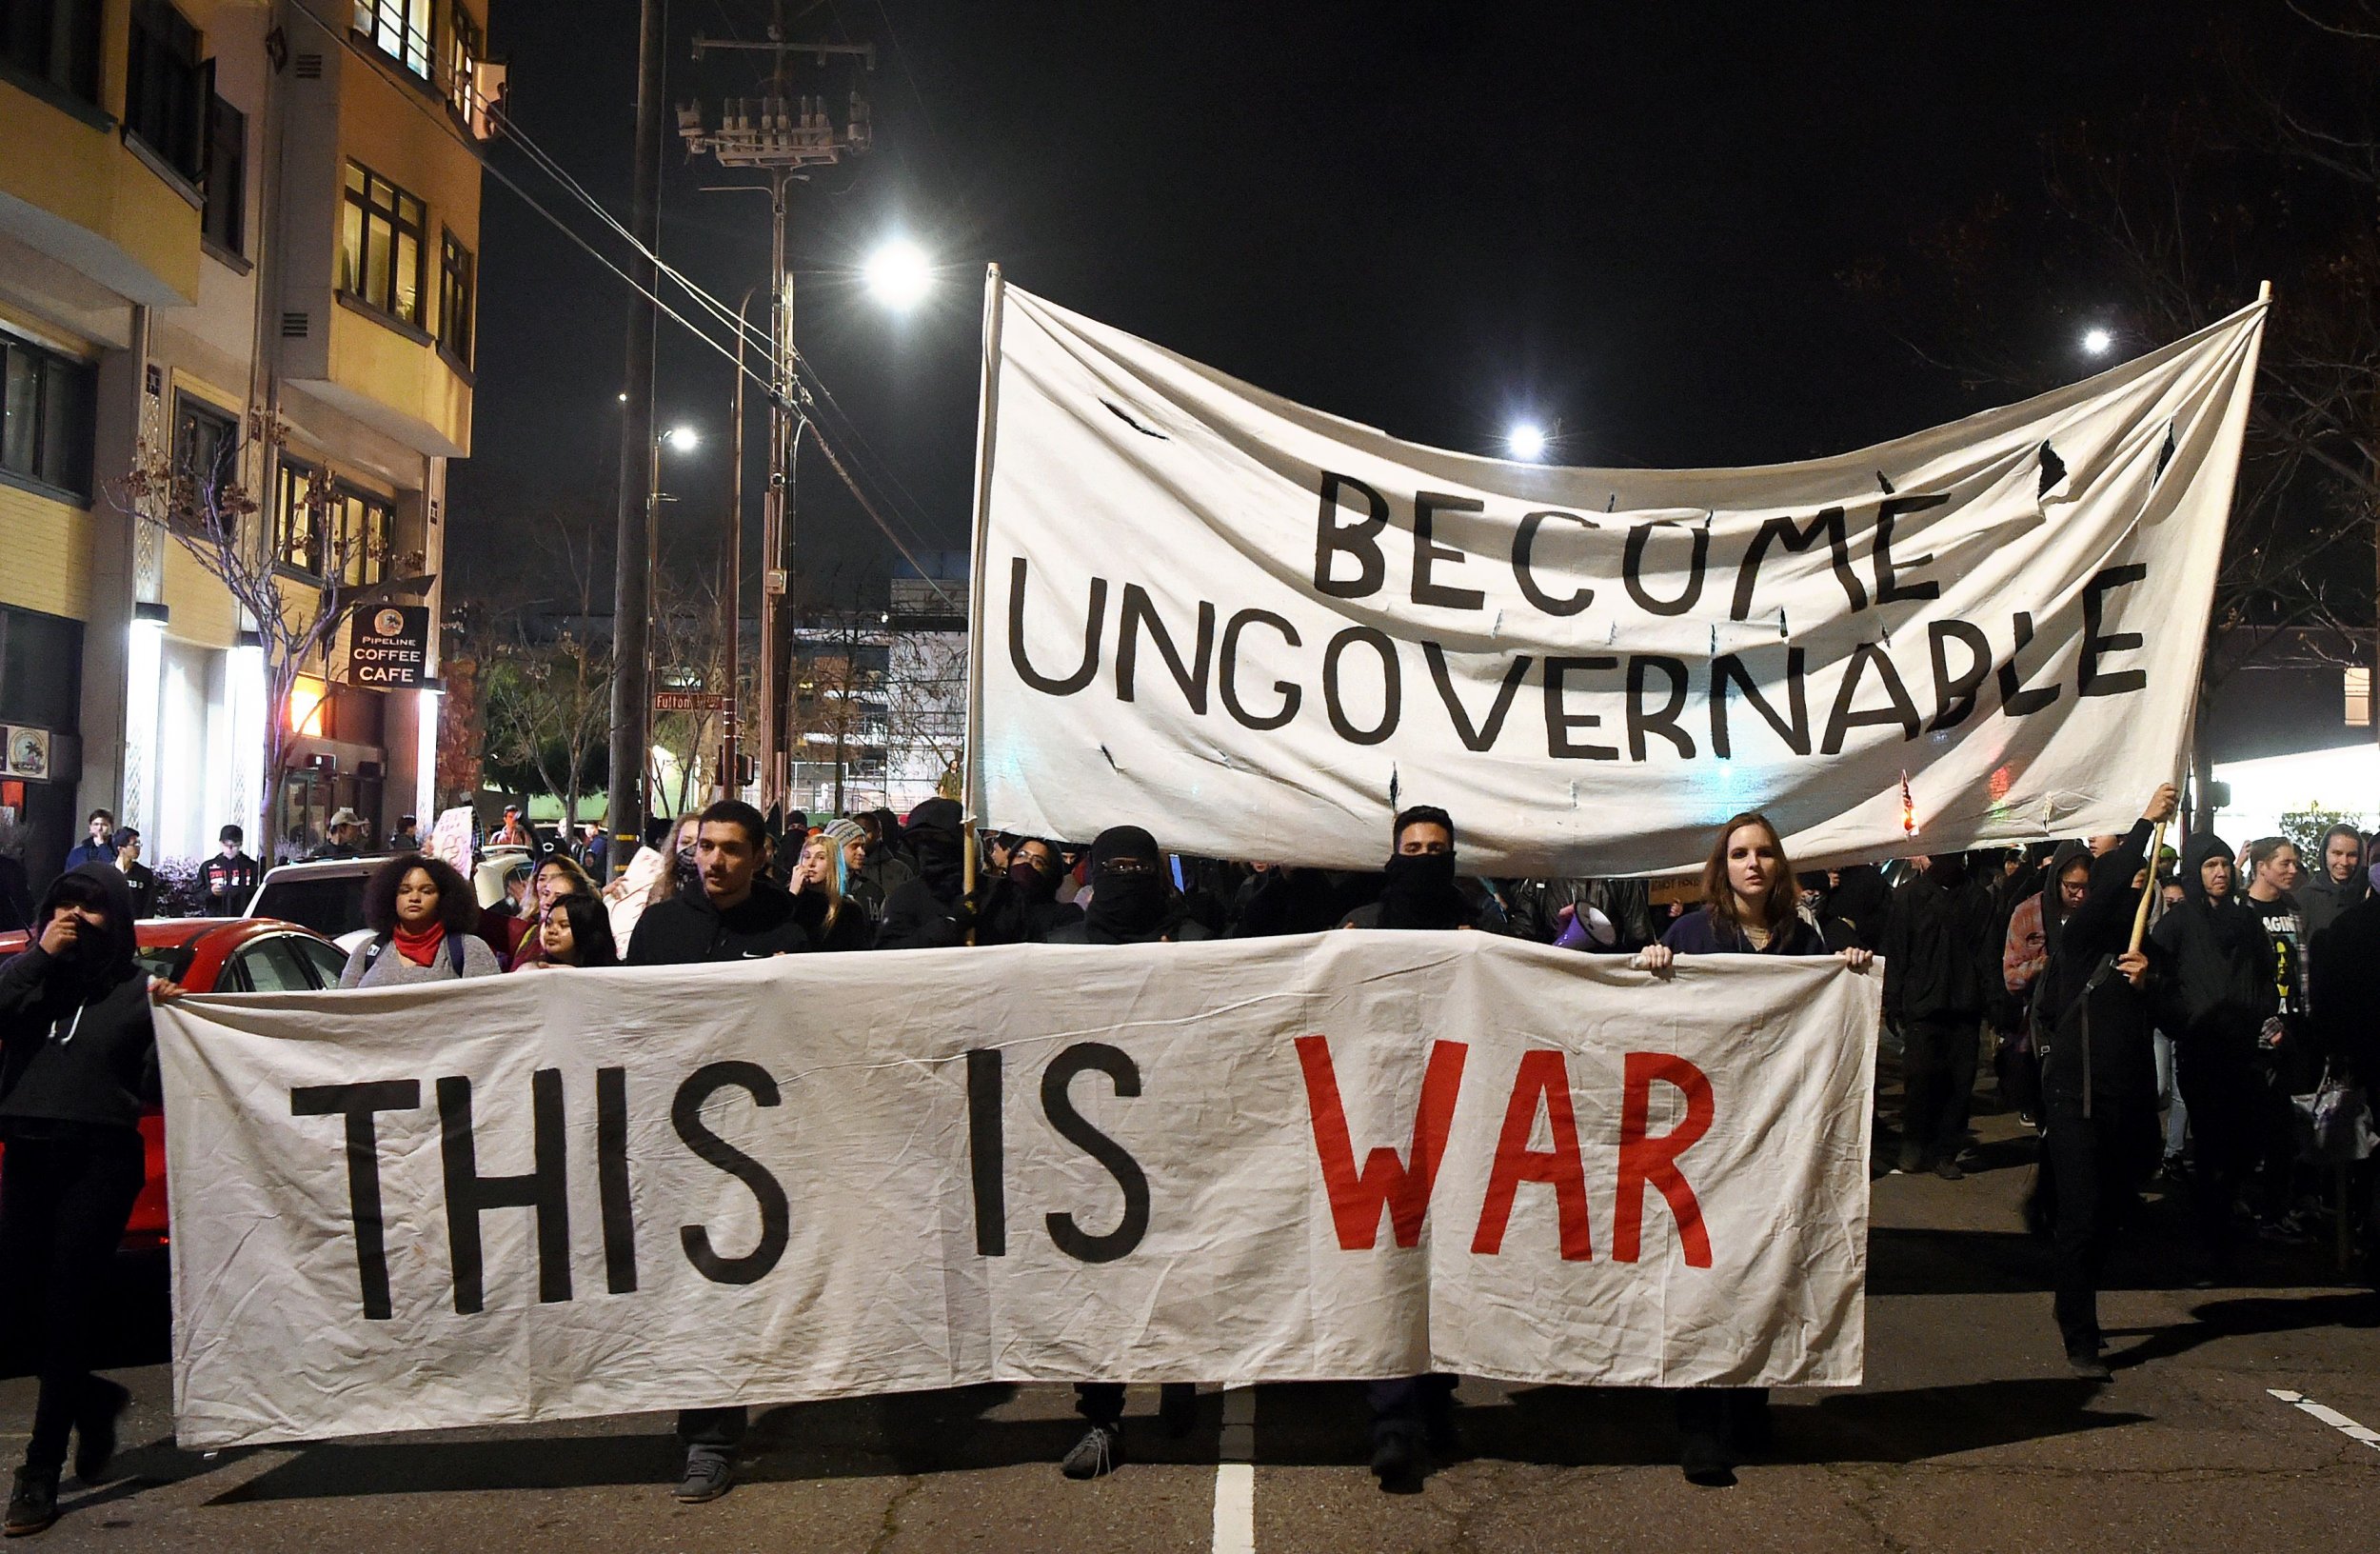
x=737, y=915
x=929, y=911
x=1937, y=981
x=2219, y=995
x=1019, y=905
x=2335, y=883
x=1132, y=900
x=2093, y=1029
x=1749, y=901
x=1413, y=1415
x=77, y=1067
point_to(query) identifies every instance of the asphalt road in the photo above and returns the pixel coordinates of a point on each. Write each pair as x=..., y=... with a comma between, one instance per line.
x=1969, y=1435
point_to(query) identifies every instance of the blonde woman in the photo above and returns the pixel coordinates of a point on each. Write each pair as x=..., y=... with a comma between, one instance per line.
x=834, y=917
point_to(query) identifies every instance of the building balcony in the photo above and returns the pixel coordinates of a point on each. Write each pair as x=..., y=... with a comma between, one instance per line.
x=73, y=190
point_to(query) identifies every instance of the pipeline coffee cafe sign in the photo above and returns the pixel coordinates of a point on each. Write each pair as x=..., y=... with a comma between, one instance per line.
x=1259, y=629
x=1343, y=1155
x=388, y=647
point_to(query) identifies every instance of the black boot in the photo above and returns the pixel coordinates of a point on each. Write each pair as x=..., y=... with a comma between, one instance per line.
x=1399, y=1460
x=33, y=1504
x=95, y=1428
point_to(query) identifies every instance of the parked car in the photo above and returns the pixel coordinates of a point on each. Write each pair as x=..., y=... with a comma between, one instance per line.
x=326, y=896
x=211, y=955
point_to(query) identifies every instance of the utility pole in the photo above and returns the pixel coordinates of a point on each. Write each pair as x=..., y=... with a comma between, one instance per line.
x=631, y=594
x=781, y=134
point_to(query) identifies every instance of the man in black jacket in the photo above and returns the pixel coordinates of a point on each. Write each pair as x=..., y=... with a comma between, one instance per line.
x=1937, y=981
x=738, y=915
x=2095, y=1032
x=229, y=877
x=929, y=911
x=77, y=1065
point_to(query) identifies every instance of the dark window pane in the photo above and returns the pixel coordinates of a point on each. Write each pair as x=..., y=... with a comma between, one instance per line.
x=226, y=177
x=20, y=410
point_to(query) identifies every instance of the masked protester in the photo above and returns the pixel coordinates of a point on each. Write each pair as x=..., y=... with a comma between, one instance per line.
x=423, y=918
x=77, y=1065
x=735, y=914
x=929, y=911
x=2093, y=1025
x=1132, y=900
x=2216, y=999
x=1019, y=905
x=829, y=913
x=1749, y=906
x=1936, y=982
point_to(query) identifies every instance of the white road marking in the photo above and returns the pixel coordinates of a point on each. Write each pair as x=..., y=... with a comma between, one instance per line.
x=2329, y=1416
x=1235, y=1475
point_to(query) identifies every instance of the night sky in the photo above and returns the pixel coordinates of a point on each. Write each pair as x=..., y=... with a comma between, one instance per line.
x=1631, y=222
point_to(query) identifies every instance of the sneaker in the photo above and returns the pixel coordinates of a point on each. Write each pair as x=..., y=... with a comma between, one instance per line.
x=1178, y=1409
x=1096, y=1455
x=1948, y=1169
x=1704, y=1460
x=33, y=1503
x=2087, y=1364
x=1399, y=1462
x=96, y=1429
x=708, y=1475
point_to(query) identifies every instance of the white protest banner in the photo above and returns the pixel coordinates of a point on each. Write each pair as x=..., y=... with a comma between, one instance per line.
x=450, y=839
x=1342, y=1155
x=1259, y=631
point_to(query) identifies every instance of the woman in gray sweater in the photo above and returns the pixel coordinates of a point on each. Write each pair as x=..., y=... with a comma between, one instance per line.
x=421, y=914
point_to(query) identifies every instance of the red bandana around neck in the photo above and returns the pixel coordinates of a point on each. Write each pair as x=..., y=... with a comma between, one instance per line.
x=421, y=948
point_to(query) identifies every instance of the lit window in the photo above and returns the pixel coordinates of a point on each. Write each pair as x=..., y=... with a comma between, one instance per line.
x=380, y=246
x=306, y=696
x=399, y=29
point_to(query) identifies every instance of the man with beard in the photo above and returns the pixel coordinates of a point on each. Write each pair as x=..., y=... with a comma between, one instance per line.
x=1132, y=902
x=1410, y=1414
x=929, y=911
x=737, y=915
x=77, y=1065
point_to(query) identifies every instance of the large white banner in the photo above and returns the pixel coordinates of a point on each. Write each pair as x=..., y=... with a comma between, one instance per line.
x=572, y=1193
x=1257, y=631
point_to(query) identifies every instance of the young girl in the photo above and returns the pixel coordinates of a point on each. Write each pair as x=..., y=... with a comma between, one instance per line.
x=576, y=932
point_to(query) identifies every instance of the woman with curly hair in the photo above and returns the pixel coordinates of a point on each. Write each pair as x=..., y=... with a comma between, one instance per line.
x=421, y=914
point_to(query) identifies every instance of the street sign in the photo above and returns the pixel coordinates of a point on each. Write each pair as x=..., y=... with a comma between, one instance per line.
x=689, y=700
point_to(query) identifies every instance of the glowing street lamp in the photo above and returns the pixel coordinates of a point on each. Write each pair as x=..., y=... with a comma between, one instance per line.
x=1526, y=440
x=898, y=274
x=2097, y=342
x=684, y=439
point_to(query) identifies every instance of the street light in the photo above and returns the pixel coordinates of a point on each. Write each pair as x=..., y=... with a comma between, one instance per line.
x=900, y=274
x=1526, y=440
x=684, y=439
x=2097, y=342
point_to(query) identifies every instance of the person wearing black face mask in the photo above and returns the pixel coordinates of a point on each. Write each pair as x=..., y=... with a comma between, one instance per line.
x=1132, y=900
x=77, y=1063
x=1938, y=979
x=1020, y=903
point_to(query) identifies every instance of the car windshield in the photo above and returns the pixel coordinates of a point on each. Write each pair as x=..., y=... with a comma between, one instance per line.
x=329, y=905
x=166, y=961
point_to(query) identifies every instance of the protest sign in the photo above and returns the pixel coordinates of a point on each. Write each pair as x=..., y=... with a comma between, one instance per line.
x=1341, y=1155
x=1259, y=630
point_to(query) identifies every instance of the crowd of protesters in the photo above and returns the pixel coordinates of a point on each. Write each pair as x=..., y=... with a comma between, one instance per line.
x=2181, y=1034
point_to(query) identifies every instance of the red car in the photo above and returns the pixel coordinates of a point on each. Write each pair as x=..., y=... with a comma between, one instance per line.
x=212, y=955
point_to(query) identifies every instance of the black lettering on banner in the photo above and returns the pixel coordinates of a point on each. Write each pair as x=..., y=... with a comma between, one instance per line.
x=544, y=1188
x=2096, y=646
x=1729, y=669
x=1228, y=675
x=1888, y=589
x=1392, y=684
x=1483, y=737
x=1427, y=552
x=1359, y=540
x=1075, y=1129
x=686, y=1115
x=1094, y=618
x=358, y=1104
x=1560, y=720
x=1138, y=611
x=2016, y=695
x=611, y=1180
x=1632, y=571
x=1524, y=546
x=1955, y=694
x=1843, y=719
x=1663, y=722
x=986, y=1151
x=1797, y=538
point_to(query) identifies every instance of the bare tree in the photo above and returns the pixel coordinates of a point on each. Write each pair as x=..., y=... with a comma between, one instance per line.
x=296, y=611
x=546, y=668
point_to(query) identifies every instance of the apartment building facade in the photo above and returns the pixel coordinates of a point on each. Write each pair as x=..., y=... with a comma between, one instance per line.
x=237, y=236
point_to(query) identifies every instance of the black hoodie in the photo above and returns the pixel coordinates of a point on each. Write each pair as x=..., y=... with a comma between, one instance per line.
x=78, y=1048
x=1935, y=964
x=2120, y=1059
x=930, y=911
x=1139, y=907
x=687, y=928
x=2221, y=990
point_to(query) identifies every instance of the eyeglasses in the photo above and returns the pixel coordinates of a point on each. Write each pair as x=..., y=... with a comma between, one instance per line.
x=1128, y=866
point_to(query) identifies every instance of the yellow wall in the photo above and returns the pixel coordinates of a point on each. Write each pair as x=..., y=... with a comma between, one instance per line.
x=411, y=378
x=47, y=544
